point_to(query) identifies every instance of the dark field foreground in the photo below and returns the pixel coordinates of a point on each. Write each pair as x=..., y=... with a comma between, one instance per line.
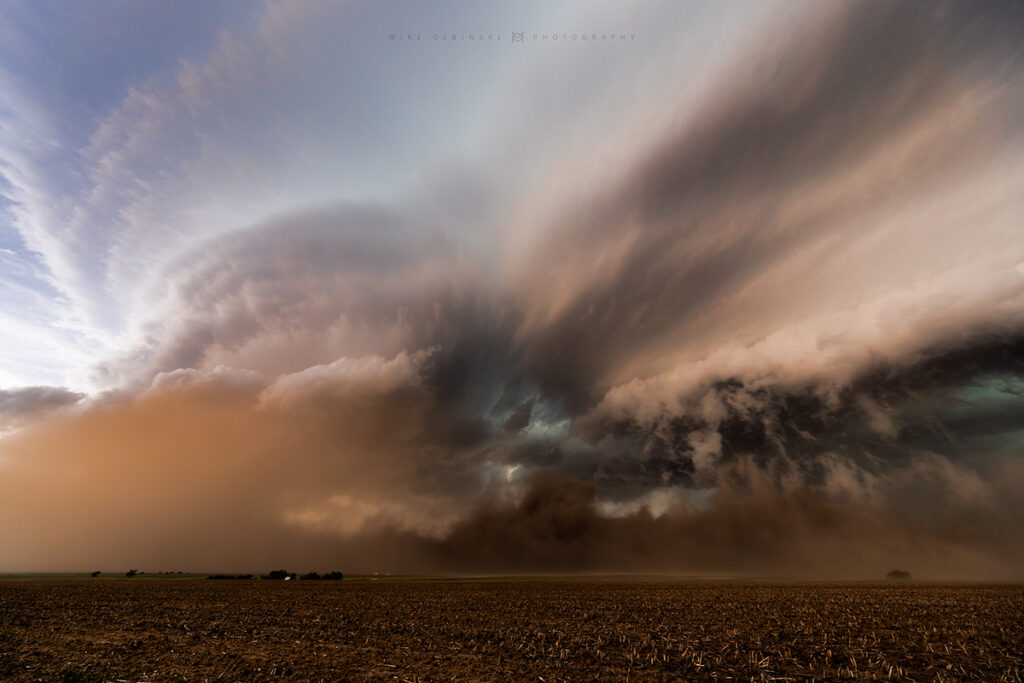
x=144, y=630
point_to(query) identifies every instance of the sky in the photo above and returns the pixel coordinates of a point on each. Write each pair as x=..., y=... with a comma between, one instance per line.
x=700, y=288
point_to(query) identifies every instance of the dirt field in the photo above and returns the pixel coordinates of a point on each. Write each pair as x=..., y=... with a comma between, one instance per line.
x=158, y=630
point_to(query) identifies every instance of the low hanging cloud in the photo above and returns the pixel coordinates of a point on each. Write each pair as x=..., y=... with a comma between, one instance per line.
x=749, y=528
x=786, y=337
x=27, y=404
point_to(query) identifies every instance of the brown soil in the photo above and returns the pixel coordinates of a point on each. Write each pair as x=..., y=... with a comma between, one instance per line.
x=159, y=630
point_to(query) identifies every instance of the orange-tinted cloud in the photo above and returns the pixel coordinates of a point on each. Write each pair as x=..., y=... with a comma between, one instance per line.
x=786, y=337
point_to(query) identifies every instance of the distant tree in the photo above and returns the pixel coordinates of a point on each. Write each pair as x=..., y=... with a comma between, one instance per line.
x=230, y=576
x=898, y=575
x=280, y=575
x=94, y=574
x=333, y=576
x=130, y=573
x=311, y=576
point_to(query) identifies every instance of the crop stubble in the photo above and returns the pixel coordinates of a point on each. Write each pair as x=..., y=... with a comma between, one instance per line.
x=134, y=630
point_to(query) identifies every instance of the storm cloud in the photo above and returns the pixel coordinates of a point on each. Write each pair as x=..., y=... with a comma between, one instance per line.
x=780, y=331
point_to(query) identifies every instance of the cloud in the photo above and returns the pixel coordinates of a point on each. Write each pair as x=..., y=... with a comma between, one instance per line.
x=835, y=174
x=294, y=293
x=748, y=528
x=26, y=404
x=781, y=334
x=357, y=464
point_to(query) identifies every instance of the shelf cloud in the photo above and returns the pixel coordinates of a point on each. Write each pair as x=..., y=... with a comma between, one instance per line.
x=770, y=324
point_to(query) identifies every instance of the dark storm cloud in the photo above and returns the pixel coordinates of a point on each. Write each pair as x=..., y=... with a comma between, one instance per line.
x=520, y=418
x=652, y=312
x=750, y=527
x=961, y=407
x=787, y=337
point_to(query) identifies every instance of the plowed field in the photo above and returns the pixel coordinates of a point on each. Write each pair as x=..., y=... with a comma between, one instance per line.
x=194, y=630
